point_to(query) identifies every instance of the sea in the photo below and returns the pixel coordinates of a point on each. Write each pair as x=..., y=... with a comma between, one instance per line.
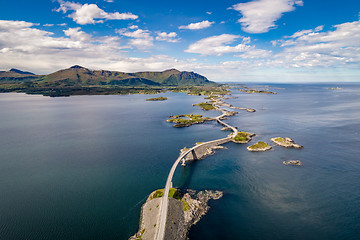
x=81, y=167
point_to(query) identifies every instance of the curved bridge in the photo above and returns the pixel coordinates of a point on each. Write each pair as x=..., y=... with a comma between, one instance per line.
x=165, y=199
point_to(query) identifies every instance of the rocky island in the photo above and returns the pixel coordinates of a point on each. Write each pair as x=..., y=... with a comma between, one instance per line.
x=243, y=137
x=248, y=90
x=285, y=142
x=259, y=147
x=205, y=106
x=293, y=162
x=186, y=120
x=186, y=207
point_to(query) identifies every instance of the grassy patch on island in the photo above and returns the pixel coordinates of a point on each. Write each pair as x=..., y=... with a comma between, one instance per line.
x=242, y=136
x=185, y=120
x=259, y=145
x=205, y=106
x=173, y=193
x=157, y=99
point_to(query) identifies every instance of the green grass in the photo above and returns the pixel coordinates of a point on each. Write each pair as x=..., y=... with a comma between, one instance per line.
x=282, y=140
x=242, y=136
x=186, y=205
x=173, y=193
x=206, y=106
x=185, y=119
x=259, y=145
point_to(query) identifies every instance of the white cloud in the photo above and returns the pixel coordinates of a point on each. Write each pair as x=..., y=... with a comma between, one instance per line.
x=168, y=37
x=133, y=27
x=140, y=38
x=314, y=48
x=91, y=13
x=22, y=45
x=209, y=13
x=259, y=16
x=197, y=26
x=218, y=45
x=62, y=24
x=253, y=53
x=110, y=1
x=76, y=34
x=48, y=25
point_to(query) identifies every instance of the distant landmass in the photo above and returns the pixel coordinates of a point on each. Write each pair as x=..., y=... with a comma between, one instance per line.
x=78, y=80
x=83, y=77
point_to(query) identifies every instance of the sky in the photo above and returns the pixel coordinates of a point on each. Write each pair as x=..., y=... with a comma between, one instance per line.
x=226, y=41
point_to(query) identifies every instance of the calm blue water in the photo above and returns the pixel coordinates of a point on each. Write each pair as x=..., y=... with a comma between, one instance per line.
x=80, y=167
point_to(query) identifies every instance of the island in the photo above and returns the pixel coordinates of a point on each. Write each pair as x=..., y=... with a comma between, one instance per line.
x=205, y=106
x=186, y=207
x=248, y=90
x=259, y=147
x=186, y=120
x=243, y=137
x=157, y=99
x=293, y=162
x=286, y=142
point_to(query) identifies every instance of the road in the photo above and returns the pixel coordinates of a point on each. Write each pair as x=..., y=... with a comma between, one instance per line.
x=165, y=199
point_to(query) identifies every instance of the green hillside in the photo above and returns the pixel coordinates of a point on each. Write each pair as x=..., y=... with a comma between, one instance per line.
x=79, y=80
x=80, y=76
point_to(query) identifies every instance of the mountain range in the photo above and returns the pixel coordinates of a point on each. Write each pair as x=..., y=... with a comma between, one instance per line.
x=77, y=76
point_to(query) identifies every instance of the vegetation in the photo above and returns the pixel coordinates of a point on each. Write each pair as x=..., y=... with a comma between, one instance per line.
x=157, y=99
x=205, y=106
x=283, y=141
x=185, y=120
x=173, y=193
x=242, y=137
x=259, y=145
x=141, y=234
x=186, y=205
x=78, y=80
x=203, y=90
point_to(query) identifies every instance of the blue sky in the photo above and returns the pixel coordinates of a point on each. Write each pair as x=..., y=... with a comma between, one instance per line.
x=244, y=40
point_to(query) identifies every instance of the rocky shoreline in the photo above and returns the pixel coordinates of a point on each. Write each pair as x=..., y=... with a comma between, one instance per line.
x=184, y=211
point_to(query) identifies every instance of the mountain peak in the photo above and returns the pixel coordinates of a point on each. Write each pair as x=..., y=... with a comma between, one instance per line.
x=77, y=67
x=20, y=72
x=172, y=70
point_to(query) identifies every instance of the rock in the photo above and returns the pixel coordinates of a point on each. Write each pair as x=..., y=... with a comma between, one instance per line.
x=293, y=162
x=285, y=142
x=182, y=214
x=226, y=129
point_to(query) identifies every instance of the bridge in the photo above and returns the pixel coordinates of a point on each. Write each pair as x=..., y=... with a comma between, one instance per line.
x=165, y=199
